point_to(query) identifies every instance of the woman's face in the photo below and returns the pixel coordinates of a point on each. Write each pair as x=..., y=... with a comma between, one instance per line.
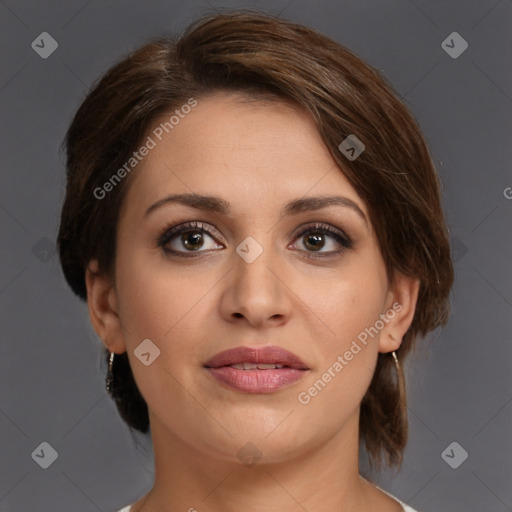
x=274, y=267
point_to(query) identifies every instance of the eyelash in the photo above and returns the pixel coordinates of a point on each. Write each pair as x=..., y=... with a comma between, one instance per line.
x=168, y=234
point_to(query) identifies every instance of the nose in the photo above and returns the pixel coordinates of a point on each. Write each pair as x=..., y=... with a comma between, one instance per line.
x=255, y=291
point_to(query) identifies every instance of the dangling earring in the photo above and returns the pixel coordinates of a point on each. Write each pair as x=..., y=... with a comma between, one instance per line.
x=110, y=375
x=401, y=384
x=397, y=364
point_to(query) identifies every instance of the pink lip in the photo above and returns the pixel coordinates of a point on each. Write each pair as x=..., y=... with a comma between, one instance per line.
x=257, y=380
x=265, y=355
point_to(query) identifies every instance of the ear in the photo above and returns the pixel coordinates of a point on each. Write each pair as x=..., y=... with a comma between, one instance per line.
x=399, y=313
x=102, y=305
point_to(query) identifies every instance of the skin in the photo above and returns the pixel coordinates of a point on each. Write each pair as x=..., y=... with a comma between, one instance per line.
x=257, y=157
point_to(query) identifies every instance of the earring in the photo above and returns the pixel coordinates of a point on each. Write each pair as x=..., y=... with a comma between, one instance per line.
x=110, y=375
x=397, y=364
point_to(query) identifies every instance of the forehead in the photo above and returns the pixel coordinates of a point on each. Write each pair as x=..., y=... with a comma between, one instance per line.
x=245, y=151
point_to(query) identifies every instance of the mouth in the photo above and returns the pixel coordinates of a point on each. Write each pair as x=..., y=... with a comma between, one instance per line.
x=247, y=365
x=260, y=358
x=256, y=370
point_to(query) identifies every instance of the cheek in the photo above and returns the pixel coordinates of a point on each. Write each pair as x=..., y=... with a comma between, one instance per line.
x=349, y=300
x=154, y=296
x=350, y=307
x=157, y=303
x=347, y=359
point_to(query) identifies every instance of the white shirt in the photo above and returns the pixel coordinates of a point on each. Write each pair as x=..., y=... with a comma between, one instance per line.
x=406, y=507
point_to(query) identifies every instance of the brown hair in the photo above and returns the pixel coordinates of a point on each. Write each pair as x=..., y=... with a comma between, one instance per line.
x=264, y=57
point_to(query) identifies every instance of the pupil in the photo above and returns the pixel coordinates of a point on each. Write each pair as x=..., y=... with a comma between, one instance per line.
x=317, y=241
x=196, y=238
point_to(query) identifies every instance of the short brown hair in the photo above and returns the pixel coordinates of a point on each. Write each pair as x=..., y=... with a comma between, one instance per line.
x=261, y=56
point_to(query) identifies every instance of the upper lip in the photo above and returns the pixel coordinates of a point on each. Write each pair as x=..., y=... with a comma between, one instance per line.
x=265, y=355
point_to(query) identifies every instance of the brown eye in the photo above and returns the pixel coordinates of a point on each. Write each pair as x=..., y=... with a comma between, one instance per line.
x=314, y=241
x=316, y=238
x=192, y=241
x=188, y=238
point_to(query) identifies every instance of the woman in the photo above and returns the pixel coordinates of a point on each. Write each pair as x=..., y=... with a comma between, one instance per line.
x=255, y=222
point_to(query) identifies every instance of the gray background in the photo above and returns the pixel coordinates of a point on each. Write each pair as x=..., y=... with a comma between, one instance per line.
x=51, y=376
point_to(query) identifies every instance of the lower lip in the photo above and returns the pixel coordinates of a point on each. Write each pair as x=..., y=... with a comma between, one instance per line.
x=256, y=381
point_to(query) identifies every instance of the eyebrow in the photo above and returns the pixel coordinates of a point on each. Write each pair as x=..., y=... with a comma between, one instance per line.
x=219, y=205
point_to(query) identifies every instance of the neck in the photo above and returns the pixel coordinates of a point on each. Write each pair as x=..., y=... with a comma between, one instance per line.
x=318, y=477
